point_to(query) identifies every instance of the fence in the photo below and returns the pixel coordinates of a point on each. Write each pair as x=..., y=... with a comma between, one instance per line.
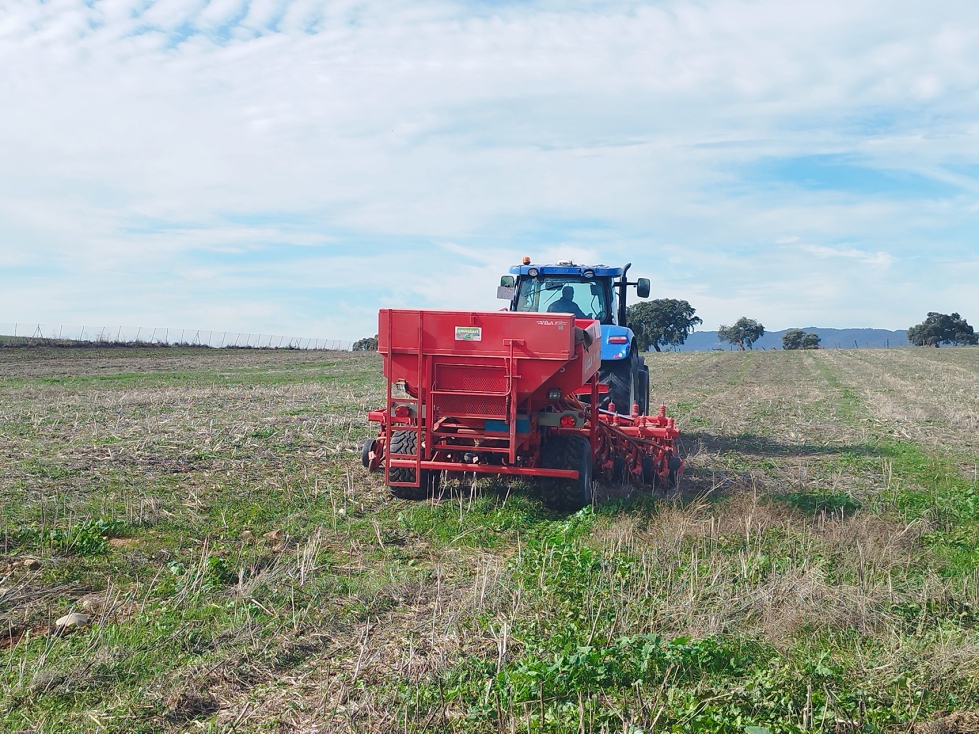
x=164, y=336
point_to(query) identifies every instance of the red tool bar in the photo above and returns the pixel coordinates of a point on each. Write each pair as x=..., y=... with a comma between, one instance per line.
x=526, y=471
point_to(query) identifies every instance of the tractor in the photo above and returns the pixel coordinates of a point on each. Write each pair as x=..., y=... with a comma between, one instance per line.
x=589, y=292
x=552, y=389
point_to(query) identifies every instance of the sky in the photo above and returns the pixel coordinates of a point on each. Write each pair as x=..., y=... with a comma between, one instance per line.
x=291, y=166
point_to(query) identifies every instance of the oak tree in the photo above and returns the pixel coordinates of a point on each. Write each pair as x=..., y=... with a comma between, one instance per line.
x=744, y=333
x=940, y=328
x=662, y=322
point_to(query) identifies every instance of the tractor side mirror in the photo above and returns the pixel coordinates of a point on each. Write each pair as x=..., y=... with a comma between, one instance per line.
x=642, y=287
x=505, y=291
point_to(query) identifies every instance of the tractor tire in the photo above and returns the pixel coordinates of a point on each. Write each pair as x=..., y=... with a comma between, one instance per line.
x=643, y=387
x=621, y=378
x=567, y=452
x=404, y=442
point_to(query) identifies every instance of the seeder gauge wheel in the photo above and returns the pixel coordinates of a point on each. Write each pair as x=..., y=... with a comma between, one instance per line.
x=405, y=442
x=365, y=454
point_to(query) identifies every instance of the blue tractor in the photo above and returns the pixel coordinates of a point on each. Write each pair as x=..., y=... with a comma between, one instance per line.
x=592, y=292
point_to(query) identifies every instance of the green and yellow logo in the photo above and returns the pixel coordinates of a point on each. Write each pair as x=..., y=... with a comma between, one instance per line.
x=469, y=334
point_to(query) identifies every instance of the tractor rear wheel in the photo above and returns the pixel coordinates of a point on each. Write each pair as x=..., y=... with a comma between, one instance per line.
x=405, y=442
x=643, y=388
x=567, y=452
x=622, y=379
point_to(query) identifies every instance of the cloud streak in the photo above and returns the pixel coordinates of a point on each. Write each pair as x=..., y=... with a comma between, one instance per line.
x=868, y=258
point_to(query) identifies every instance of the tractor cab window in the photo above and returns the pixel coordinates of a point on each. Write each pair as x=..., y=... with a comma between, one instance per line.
x=586, y=298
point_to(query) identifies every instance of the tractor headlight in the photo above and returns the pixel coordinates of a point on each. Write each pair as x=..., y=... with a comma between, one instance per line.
x=532, y=272
x=554, y=393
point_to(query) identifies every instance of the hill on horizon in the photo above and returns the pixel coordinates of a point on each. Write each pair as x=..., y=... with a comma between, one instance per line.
x=705, y=341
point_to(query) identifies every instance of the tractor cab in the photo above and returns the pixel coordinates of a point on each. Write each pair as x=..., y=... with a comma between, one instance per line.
x=589, y=292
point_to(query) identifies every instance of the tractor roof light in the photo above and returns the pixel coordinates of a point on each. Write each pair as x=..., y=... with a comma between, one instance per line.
x=532, y=272
x=526, y=259
x=589, y=274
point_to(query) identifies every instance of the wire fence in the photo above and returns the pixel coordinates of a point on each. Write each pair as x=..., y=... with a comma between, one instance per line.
x=164, y=336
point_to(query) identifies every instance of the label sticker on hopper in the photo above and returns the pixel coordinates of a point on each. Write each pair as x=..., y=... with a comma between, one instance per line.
x=469, y=334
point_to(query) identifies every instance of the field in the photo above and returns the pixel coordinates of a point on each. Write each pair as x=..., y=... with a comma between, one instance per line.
x=816, y=570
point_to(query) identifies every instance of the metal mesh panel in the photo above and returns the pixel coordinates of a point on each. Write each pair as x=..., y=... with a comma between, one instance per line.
x=471, y=406
x=470, y=378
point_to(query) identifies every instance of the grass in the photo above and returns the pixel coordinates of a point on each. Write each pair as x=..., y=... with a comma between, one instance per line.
x=817, y=571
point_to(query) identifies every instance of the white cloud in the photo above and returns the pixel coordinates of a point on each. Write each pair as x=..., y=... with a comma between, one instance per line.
x=141, y=142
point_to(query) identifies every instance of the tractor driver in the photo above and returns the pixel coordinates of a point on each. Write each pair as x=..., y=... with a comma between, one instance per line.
x=566, y=304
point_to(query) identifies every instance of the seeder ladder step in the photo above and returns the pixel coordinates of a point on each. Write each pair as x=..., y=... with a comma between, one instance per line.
x=418, y=402
x=391, y=428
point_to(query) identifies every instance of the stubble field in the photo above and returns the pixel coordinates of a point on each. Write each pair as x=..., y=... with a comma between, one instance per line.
x=240, y=571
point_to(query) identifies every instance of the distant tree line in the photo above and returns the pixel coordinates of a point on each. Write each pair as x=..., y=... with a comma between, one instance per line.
x=667, y=322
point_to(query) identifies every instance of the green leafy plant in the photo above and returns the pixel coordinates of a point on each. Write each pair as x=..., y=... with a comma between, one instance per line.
x=87, y=538
x=218, y=571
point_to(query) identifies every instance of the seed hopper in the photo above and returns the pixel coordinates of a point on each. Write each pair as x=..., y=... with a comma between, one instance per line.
x=508, y=393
